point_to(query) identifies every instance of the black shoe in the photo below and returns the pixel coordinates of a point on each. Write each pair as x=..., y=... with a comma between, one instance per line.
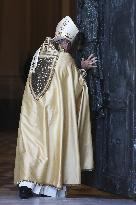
x=25, y=192
x=40, y=195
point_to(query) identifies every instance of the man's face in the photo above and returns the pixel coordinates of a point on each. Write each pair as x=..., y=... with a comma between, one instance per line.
x=66, y=45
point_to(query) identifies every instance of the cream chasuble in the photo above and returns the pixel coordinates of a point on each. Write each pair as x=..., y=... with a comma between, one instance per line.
x=54, y=136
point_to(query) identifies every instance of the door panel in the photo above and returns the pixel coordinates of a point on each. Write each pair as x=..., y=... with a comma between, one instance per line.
x=109, y=28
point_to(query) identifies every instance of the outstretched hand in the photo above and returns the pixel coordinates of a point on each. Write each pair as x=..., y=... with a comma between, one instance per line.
x=89, y=63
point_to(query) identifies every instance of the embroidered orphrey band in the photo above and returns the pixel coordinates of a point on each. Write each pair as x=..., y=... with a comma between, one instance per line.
x=40, y=79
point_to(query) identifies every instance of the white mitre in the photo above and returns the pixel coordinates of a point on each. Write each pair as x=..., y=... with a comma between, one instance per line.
x=66, y=29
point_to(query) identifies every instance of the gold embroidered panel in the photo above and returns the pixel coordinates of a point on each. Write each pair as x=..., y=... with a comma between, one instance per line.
x=40, y=79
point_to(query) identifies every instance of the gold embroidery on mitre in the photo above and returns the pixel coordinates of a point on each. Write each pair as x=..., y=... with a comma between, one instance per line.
x=40, y=80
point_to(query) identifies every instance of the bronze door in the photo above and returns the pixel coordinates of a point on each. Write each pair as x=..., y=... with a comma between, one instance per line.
x=109, y=29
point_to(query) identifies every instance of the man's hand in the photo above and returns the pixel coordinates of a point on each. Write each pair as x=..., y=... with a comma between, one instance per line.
x=89, y=63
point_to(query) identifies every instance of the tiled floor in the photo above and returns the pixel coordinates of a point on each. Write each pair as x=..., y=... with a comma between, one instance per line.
x=8, y=192
x=14, y=200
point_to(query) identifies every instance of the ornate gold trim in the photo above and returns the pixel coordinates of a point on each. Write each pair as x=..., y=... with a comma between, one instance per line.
x=48, y=54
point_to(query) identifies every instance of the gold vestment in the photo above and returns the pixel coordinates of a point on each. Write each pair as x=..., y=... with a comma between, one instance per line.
x=54, y=136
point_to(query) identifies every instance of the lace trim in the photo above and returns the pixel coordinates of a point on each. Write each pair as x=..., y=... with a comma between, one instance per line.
x=38, y=184
x=45, y=190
